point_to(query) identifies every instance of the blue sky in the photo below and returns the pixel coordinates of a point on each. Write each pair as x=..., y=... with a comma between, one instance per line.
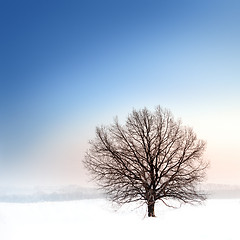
x=68, y=66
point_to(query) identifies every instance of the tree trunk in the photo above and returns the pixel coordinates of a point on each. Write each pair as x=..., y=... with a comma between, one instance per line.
x=151, y=209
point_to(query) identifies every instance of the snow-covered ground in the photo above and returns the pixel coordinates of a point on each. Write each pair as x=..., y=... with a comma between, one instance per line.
x=98, y=219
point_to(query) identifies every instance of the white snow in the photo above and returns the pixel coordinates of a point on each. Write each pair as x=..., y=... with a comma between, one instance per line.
x=98, y=219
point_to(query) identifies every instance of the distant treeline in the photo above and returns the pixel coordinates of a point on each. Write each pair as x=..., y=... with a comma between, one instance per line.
x=71, y=193
x=219, y=191
x=49, y=195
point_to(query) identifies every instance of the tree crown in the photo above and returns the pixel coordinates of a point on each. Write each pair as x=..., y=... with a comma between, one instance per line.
x=151, y=157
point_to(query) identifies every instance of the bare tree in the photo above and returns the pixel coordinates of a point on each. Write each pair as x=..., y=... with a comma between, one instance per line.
x=152, y=157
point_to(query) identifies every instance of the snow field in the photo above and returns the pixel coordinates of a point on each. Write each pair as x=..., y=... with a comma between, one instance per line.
x=98, y=219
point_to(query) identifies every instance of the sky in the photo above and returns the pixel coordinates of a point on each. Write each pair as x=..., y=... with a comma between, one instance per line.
x=69, y=66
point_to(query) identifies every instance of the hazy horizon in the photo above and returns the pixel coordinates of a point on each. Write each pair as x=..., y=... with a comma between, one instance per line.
x=69, y=66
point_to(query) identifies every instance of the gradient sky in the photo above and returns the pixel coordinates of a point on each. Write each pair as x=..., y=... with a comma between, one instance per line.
x=68, y=66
